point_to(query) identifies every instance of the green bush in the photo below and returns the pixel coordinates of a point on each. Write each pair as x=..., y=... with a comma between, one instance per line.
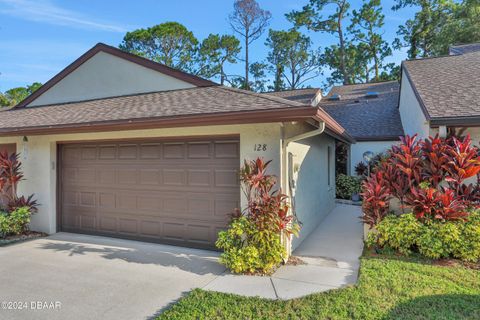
x=396, y=232
x=15, y=222
x=433, y=239
x=346, y=186
x=261, y=253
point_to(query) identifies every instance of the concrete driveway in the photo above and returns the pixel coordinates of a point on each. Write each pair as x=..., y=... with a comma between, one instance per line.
x=87, y=277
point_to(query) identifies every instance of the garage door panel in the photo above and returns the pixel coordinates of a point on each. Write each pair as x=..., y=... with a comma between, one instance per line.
x=173, y=150
x=178, y=192
x=226, y=150
x=199, y=233
x=173, y=231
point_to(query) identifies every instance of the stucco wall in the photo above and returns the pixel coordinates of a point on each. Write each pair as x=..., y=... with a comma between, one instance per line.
x=314, y=196
x=38, y=157
x=105, y=75
x=474, y=133
x=413, y=119
x=357, y=150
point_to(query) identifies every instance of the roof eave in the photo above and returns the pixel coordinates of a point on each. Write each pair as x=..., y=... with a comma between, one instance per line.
x=471, y=121
x=334, y=128
x=241, y=117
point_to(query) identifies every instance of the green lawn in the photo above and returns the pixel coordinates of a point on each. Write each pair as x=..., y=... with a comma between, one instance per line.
x=388, y=288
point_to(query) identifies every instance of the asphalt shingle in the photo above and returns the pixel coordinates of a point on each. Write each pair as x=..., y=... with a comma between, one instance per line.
x=448, y=86
x=186, y=102
x=305, y=96
x=367, y=119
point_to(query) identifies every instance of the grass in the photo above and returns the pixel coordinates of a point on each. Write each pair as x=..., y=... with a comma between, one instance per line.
x=388, y=288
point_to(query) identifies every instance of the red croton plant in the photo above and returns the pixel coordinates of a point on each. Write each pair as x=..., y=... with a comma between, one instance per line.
x=10, y=176
x=428, y=177
x=267, y=207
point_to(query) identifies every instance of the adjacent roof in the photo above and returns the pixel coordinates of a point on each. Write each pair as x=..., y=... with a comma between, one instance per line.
x=447, y=88
x=183, y=107
x=366, y=119
x=464, y=48
x=101, y=47
x=305, y=96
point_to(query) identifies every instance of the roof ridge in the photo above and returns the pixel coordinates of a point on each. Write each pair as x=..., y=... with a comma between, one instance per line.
x=266, y=96
x=289, y=90
x=366, y=83
x=440, y=57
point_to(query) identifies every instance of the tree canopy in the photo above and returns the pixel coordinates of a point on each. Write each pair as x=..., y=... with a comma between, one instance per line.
x=13, y=96
x=169, y=43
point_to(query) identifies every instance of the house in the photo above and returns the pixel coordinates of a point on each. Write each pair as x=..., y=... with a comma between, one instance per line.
x=442, y=95
x=439, y=95
x=117, y=145
x=369, y=112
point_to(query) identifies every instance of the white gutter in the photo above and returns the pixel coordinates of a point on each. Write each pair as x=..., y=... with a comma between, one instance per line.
x=305, y=135
x=287, y=185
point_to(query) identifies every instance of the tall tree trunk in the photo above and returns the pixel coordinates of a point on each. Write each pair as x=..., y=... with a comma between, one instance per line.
x=375, y=59
x=222, y=75
x=343, y=69
x=246, y=84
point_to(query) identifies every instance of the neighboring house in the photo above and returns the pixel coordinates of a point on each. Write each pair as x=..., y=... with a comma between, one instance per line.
x=442, y=95
x=118, y=145
x=369, y=112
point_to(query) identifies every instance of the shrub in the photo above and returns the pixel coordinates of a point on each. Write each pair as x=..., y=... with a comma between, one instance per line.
x=433, y=238
x=15, y=222
x=397, y=232
x=361, y=169
x=376, y=197
x=346, y=186
x=428, y=177
x=253, y=241
x=246, y=250
x=10, y=176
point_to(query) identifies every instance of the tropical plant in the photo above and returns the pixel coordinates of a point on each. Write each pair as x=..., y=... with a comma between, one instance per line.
x=361, y=169
x=376, y=199
x=429, y=177
x=10, y=176
x=253, y=241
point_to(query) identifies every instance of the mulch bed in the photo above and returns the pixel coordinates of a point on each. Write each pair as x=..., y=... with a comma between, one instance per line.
x=456, y=263
x=29, y=235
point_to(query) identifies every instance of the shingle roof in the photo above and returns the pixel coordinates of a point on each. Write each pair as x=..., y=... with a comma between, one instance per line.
x=194, y=101
x=464, y=48
x=198, y=106
x=447, y=86
x=305, y=96
x=371, y=119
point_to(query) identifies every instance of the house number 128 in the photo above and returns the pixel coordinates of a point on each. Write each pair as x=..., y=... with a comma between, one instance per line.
x=260, y=147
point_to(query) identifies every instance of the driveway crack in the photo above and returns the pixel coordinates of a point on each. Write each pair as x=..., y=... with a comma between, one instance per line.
x=274, y=289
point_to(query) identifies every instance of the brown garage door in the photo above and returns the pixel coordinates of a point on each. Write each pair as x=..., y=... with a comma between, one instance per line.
x=175, y=191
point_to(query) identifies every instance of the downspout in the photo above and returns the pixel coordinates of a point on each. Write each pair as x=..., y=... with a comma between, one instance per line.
x=288, y=183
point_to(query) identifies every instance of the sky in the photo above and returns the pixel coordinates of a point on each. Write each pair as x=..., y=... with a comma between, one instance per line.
x=38, y=38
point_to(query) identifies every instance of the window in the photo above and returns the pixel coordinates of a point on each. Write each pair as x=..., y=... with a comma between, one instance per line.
x=329, y=164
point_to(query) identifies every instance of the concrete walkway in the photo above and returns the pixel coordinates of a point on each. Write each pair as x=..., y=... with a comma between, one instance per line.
x=103, y=278
x=331, y=253
x=94, y=277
